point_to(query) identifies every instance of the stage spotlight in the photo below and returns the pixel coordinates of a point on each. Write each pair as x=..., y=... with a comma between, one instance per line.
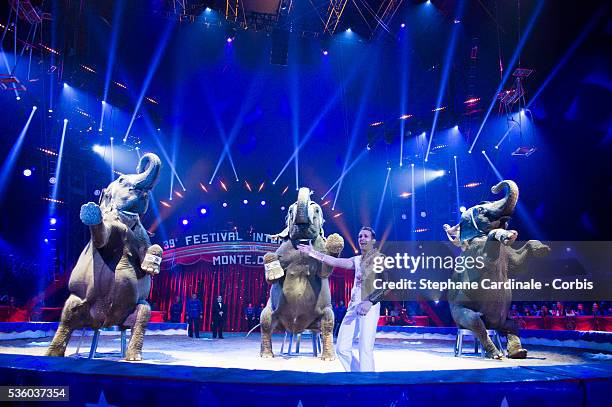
x=404, y=217
x=325, y=52
x=403, y=25
x=225, y=204
x=456, y=127
x=423, y=214
x=348, y=30
x=246, y=201
x=18, y=98
x=98, y=149
x=229, y=40
x=282, y=208
x=52, y=180
x=439, y=173
x=207, y=9
x=97, y=192
x=456, y=21
x=27, y=172
x=46, y=240
x=185, y=222
x=263, y=203
x=65, y=85
x=99, y=128
x=424, y=134
x=52, y=221
x=203, y=211
x=50, y=110
x=462, y=209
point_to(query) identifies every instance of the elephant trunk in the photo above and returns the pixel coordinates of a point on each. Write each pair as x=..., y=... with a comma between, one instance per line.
x=506, y=205
x=301, y=214
x=147, y=172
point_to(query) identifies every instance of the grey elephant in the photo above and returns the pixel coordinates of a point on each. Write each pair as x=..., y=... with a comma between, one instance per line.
x=112, y=278
x=483, y=232
x=300, y=297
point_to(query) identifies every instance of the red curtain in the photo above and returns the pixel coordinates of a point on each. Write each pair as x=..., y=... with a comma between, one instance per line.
x=237, y=284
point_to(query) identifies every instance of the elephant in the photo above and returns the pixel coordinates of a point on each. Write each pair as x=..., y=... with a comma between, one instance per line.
x=300, y=297
x=483, y=232
x=112, y=277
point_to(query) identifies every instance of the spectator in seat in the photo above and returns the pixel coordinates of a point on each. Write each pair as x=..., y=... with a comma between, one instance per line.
x=558, y=311
x=596, y=311
x=526, y=311
x=513, y=313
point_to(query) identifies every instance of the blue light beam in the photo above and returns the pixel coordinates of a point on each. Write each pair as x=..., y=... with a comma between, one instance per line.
x=9, y=162
x=444, y=79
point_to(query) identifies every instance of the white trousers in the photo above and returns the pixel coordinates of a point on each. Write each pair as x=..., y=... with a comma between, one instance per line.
x=354, y=325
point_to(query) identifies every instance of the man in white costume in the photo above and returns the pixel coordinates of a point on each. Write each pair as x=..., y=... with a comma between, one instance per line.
x=361, y=317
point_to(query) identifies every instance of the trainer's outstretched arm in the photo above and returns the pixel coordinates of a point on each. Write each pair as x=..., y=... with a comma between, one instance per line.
x=327, y=259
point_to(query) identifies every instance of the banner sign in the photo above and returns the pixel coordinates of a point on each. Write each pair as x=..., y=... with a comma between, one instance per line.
x=217, y=237
x=219, y=255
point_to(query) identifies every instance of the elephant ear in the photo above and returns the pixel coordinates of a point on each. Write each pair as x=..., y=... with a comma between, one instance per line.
x=105, y=198
x=469, y=228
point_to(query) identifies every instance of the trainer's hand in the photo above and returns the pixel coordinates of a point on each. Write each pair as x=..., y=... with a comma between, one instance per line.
x=364, y=307
x=305, y=248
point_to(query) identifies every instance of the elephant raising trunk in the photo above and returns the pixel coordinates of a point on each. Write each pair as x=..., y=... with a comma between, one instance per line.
x=300, y=297
x=112, y=278
x=147, y=172
x=483, y=233
x=480, y=219
x=506, y=205
x=301, y=216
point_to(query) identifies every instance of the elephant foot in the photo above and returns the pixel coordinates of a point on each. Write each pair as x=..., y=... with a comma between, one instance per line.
x=491, y=351
x=133, y=356
x=518, y=354
x=267, y=355
x=55, y=352
x=537, y=248
x=515, y=349
x=328, y=358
